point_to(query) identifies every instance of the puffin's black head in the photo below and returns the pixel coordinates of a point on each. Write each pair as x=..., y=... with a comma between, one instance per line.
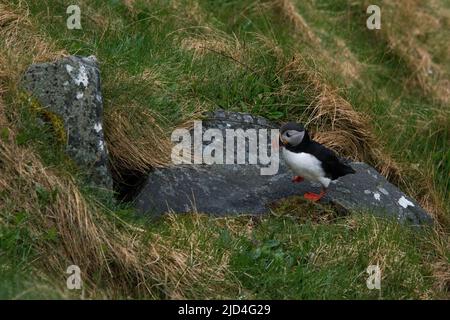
x=292, y=134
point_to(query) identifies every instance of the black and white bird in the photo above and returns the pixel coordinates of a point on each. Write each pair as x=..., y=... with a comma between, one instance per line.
x=309, y=159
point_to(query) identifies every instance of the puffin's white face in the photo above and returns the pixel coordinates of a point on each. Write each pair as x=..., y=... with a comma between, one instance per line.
x=292, y=137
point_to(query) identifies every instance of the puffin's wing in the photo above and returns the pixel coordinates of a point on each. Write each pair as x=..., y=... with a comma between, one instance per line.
x=331, y=164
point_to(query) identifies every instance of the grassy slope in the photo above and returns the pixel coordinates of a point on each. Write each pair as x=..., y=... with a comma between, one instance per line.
x=176, y=60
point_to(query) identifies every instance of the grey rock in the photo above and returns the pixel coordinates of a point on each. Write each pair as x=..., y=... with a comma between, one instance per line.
x=241, y=189
x=368, y=191
x=70, y=88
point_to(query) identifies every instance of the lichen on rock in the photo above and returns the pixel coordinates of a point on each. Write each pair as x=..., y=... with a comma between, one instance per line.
x=68, y=93
x=55, y=120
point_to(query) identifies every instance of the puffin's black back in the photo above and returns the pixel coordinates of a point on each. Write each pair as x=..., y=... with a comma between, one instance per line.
x=331, y=164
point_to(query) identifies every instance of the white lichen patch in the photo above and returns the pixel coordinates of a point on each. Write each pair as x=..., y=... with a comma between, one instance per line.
x=92, y=58
x=80, y=95
x=405, y=202
x=69, y=69
x=101, y=145
x=82, y=77
x=377, y=196
x=367, y=192
x=98, y=127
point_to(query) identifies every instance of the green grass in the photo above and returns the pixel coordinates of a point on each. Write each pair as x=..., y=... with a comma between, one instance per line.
x=149, y=40
x=300, y=251
x=281, y=256
x=18, y=279
x=285, y=259
x=291, y=256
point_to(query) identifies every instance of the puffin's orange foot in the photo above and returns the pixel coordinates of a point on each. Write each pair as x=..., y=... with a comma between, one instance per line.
x=314, y=196
x=297, y=179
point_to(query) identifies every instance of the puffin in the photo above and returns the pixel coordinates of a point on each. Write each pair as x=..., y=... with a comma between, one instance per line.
x=309, y=159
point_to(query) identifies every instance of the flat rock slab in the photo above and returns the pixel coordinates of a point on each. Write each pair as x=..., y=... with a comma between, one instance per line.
x=240, y=188
x=70, y=89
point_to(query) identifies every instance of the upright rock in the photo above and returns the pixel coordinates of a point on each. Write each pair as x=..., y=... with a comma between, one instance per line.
x=70, y=89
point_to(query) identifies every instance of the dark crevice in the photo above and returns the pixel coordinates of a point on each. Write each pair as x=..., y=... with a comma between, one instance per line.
x=128, y=183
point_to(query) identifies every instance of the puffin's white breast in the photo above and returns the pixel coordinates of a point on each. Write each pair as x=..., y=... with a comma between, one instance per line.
x=306, y=166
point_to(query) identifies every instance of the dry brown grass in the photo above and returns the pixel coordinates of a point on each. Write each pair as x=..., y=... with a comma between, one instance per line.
x=440, y=266
x=286, y=9
x=115, y=252
x=115, y=258
x=20, y=46
x=213, y=41
x=346, y=62
x=129, y=3
x=342, y=59
x=189, y=12
x=405, y=25
x=135, y=140
x=426, y=192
